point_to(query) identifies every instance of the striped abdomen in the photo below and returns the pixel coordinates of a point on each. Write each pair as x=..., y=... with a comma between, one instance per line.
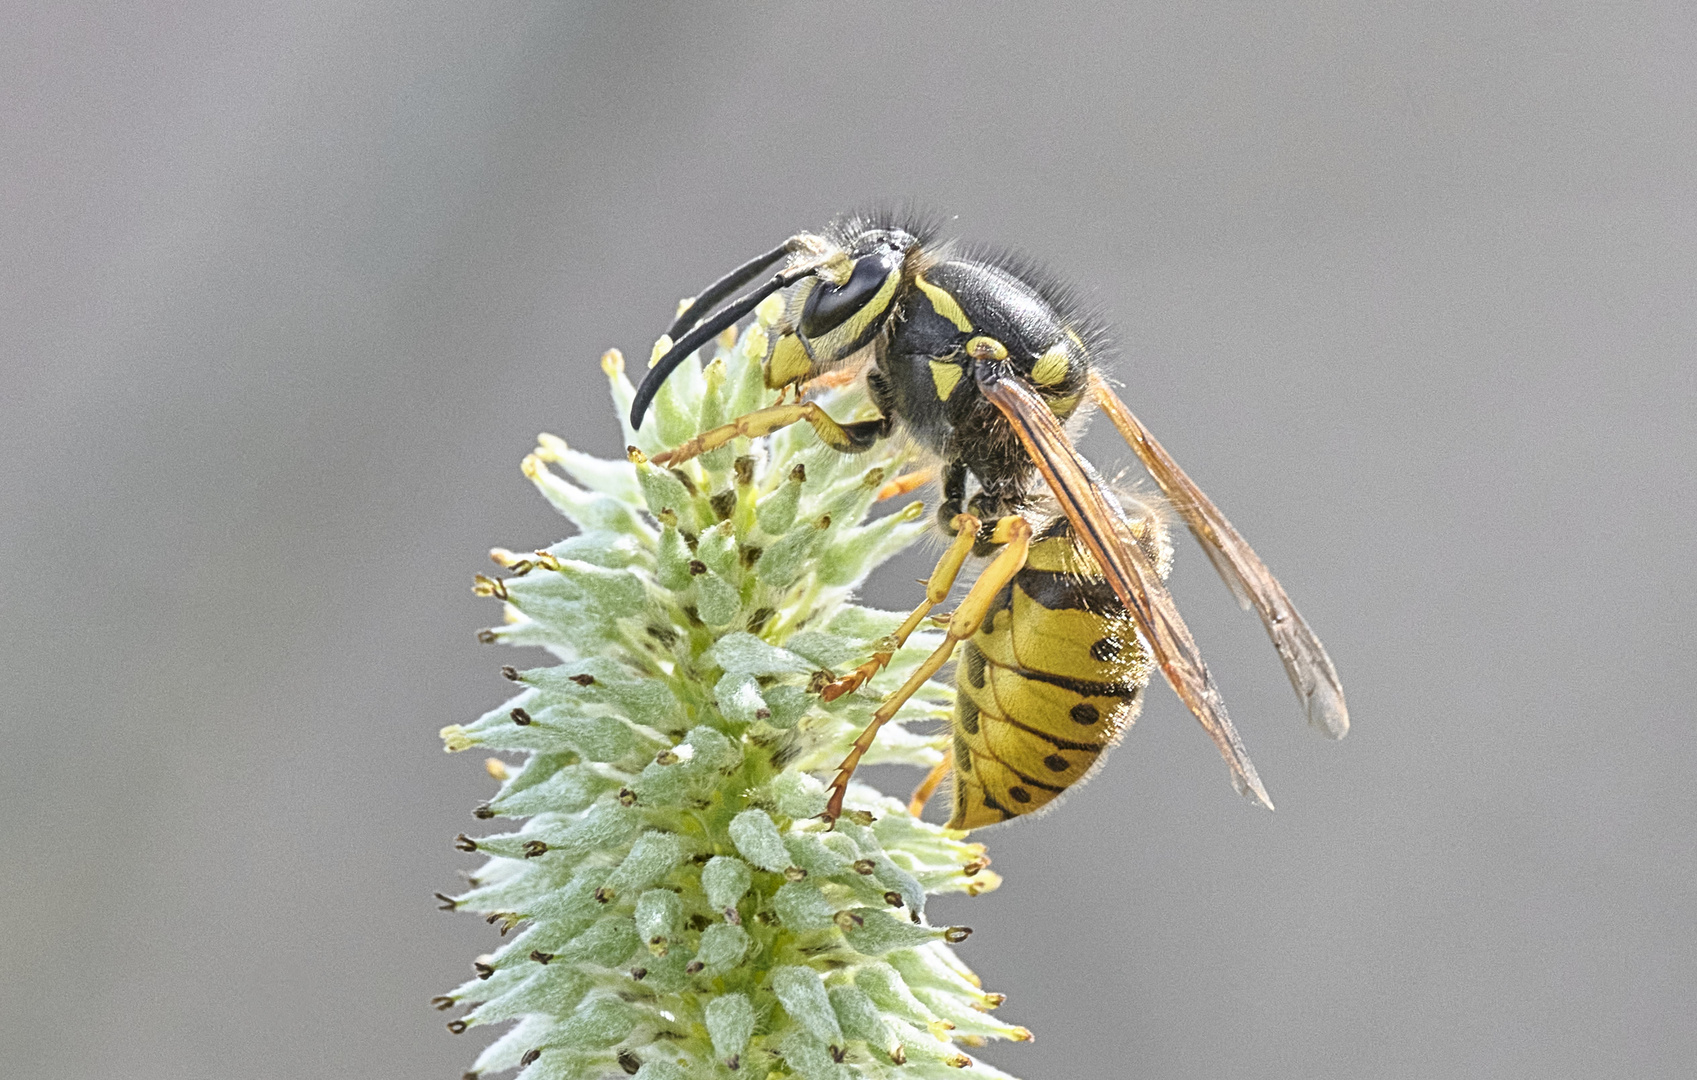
x=1049, y=682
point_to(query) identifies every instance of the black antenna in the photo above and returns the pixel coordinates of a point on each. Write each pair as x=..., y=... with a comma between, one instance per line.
x=704, y=333
x=725, y=286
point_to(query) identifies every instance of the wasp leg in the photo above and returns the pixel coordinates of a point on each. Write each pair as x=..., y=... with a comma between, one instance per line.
x=937, y=588
x=847, y=438
x=905, y=483
x=1014, y=532
x=928, y=786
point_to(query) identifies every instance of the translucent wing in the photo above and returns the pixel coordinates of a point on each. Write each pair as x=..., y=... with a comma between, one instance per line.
x=1310, y=669
x=1104, y=532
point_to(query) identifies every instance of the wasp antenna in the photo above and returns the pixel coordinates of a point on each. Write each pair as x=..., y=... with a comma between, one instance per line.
x=725, y=286
x=704, y=333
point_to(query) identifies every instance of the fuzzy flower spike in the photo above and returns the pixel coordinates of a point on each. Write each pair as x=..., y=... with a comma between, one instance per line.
x=675, y=908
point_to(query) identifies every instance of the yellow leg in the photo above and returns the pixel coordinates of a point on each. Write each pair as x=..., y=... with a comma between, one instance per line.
x=937, y=587
x=755, y=424
x=905, y=483
x=928, y=786
x=1014, y=533
x=832, y=380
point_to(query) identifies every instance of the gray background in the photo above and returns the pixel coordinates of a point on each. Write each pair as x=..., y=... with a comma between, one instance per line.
x=288, y=290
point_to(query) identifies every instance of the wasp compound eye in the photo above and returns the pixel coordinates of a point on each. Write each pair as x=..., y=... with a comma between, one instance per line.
x=829, y=306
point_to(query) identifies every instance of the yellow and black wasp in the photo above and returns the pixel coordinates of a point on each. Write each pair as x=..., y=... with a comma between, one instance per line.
x=981, y=359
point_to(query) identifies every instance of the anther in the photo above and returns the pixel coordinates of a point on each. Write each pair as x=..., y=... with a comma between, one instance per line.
x=639, y=973
x=694, y=967
x=483, y=970
x=529, y=1057
x=629, y=1062
x=486, y=637
x=954, y=935
x=838, y=1054
x=799, y=474
x=533, y=848
x=893, y=898
x=733, y=916
x=541, y=957
x=465, y=843
x=458, y=1026
x=848, y=920
x=697, y=568
x=865, y=867
x=666, y=757
x=604, y=895
x=584, y=680
x=627, y=797
x=441, y=1003
x=484, y=812
x=446, y=902
x=974, y=866
x=510, y=673
x=520, y=717
x=744, y=467
x=794, y=873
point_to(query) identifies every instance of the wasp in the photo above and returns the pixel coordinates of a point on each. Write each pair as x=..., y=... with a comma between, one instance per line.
x=982, y=360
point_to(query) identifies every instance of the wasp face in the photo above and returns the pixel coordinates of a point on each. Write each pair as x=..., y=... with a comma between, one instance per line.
x=865, y=282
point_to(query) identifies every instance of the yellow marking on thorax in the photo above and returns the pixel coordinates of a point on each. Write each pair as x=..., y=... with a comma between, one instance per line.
x=1063, y=406
x=1052, y=366
x=944, y=304
x=945, y=375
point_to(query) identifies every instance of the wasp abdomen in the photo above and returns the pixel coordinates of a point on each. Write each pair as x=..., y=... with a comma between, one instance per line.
x=1050, y=681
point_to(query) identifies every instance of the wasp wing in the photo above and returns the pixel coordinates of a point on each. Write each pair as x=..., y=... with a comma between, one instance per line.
x=1104, y=531
x=1310, y=669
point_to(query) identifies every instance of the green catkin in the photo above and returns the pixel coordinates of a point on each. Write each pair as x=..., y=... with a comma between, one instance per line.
x=670, y=902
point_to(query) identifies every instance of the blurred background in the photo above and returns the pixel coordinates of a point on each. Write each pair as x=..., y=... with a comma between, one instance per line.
x=290, y=288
